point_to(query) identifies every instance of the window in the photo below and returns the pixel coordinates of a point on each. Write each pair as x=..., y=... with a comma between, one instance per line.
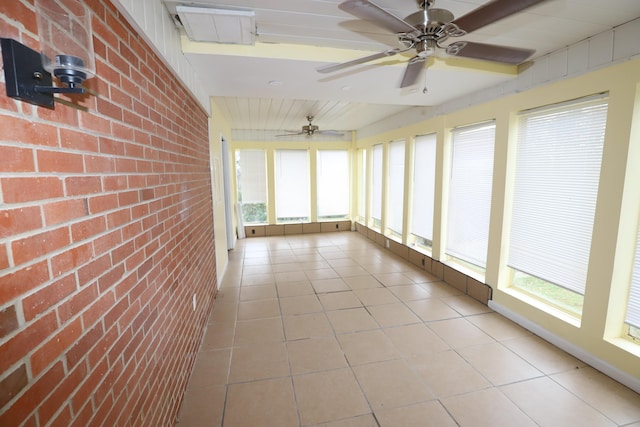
x=469, y=202
x=395, y=193
x=251, y=174
x=558, y=160
x=633, y=306
x=292, y=186
x=362, y=187
x=333, y=184
x=423, y=194
x=376, y=186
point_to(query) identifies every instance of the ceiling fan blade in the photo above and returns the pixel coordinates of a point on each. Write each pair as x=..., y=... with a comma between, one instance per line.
x=336, y=67
x=330, y=132
x=292, y=133
x=373, y=13
x=489, y=52
x=412, y=72
x=491, y=12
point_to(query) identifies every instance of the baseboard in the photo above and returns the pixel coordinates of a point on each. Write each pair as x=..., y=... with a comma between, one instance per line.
x=622, y=377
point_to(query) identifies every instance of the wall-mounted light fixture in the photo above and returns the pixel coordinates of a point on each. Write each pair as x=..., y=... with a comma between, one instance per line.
x=66, y=41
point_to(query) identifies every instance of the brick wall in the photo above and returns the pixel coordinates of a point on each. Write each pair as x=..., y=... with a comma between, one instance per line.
x=106, y=233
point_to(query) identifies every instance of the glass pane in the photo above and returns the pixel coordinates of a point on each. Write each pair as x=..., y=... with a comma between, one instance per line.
x=292, y=186
x=395, y=199
x=251, y=174
x=333, y=184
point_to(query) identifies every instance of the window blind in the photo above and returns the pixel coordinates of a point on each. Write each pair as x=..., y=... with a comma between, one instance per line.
x=333, y=183
x=362, y=189
x=376, y=183
x=251, y=174
x=395, y=199
x=424, y=181
x=558, y=160
x=633, y=306
x=292, y=185
x=469, y=204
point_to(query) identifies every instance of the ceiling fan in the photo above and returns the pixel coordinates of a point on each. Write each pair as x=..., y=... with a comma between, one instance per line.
x=429, y=28
x=311, y=129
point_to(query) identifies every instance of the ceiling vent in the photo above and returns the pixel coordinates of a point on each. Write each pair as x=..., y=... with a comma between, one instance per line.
x=218, y=25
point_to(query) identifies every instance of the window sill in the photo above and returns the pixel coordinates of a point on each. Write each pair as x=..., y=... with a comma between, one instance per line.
x=543, y=306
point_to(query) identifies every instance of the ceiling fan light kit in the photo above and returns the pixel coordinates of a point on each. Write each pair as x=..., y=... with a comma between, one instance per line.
x=310, y=129
x=427, y=30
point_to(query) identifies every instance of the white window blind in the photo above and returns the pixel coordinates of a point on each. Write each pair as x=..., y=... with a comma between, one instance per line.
x=376, y=183
x=424, y=181
x=333, y=183
x=395, y=199
x=251, y=174
x=469, y=204
x=362, y=189
x=633, y=307
x=292, y=185
x=558, y=160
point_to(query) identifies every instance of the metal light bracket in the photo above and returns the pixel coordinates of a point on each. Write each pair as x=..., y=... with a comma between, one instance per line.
x=25, y=77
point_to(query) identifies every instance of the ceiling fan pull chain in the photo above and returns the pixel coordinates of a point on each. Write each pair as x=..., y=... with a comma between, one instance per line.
x=425, y=90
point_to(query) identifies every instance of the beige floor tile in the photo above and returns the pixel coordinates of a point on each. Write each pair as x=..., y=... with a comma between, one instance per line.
x=359, y=421
x=258, y=361
x=287, y=267
x=302, y=304
x=362, y=282
x=328, y=396
x=542, y=355
x=440, y=289
x=249, y=310
x=385, y=267
x=202, y=407
x=459, y=333
x=211, y=368
x=420, y=415
x=447, y=374
x=351, y=320
x=339, y=300
x=608, y=396
x=249, y=293
x=409, y=292
x=350, y=271
x=466, y=305
x=432, y=309
x=549, y=404
x=258, y=330
x=317, y=265
x=342, y=262
x=498, y=364
x=394, y=279
x=294, y=289
x=258, y=280
x=218, y=335
x=498, y=327
x=323, y=286
x=315, y=354
x=307, y=326
x=265, y=403
x=391, y=384
x=323, y=273
x=224, y=312
x=486, y=408
x=290, y=276
x=261, y=260
x=393, y=315
x=227, y=294
x=254, y=270
x=376, y=296
x=367, y=347
x=415, y=340
x=283, y=259
x=419, y=276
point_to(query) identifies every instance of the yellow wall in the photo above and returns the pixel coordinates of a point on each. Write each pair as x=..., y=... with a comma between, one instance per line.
x=599, y=329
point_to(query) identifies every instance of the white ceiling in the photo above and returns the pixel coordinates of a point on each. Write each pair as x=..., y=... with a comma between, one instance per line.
x=294, y=37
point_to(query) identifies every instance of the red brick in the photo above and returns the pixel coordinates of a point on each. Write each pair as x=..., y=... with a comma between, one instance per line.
x=128, y=198
x=27, y=131
x=91, y=122
x=26, y=340
x=106, y=243
x=15, y=189
x=64, y=211
x=55, y=346
x=118, y=218
x=95, y=312
x=88, y=228
x=99, y=164
x=70, y=259
x=27, y=403
x=35, y=246
x=4, y=257
x=62, y=114
x=75, y=304
x=47, y=297
x=82, y=185
x=22, y=281
x=57, y=161
x=102, y=203
x=63, y=419
x=109, y=109
x=94, y=269
x=19, y=12
x=12, y=384
x=78, y=140
x=16, y=159
x=21, y=220
x=8, y=322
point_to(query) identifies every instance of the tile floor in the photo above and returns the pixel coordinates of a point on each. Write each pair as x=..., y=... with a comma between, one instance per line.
x=332, y=330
